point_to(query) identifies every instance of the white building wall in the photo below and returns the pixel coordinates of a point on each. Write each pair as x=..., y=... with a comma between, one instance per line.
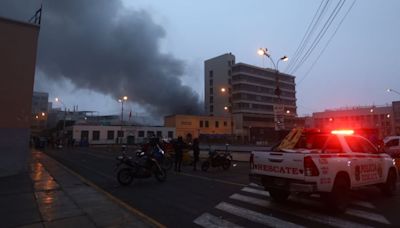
x=138, y=133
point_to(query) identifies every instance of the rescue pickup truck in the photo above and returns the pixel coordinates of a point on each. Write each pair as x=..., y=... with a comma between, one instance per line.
x=329, y=164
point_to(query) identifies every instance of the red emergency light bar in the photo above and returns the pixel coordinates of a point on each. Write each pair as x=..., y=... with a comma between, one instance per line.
x=342, y=132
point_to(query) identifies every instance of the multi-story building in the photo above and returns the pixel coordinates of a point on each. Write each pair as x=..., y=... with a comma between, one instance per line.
x=247, y=94
x=40, y=104
x=396, y=117
x=371, y=121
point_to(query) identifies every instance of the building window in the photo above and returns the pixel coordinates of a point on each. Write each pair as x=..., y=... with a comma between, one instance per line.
x=120, y=134
x=229, y=81
x=211, y=99
x=84, y=135
x=159, y=134
x=211, y=73
x=211, y=90
x=211, y=108
x=141, y=134
x=229, y=63
x=206, y=123
x=201, y=123
x=225, y=124
x=95, y=135
x=229, y=72
x=211, y=82
x=110, y=135
x=170, y=134
x=150, y=134
x=216, y=124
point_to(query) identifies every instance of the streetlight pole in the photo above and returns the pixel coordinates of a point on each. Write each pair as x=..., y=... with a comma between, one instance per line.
x=264, y=52
x=58, y=100
x=122, y=100
x=229, y=108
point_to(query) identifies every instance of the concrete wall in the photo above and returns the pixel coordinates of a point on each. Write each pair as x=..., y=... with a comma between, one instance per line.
x=18, y=43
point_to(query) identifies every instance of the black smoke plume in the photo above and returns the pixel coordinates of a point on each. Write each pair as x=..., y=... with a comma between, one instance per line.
x=102, y=46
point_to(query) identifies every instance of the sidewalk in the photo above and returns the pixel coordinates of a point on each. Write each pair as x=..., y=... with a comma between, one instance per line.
x=53, y=196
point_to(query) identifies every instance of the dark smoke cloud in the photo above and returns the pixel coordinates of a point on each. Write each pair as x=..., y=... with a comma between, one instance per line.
x=99, y=45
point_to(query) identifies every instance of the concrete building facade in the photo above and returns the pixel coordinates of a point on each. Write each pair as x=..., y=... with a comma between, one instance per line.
x=99, y=135
x=18, y=45
x=40, y=104
x=369, y=120
x=190, y=126
x=249, y=93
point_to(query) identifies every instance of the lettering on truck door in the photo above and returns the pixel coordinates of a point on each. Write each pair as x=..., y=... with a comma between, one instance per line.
x=367, y=166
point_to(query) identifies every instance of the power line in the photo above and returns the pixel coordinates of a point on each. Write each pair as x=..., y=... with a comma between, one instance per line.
x=294, y=56
x=327, y=44
x=308, y=35
x=320, y=34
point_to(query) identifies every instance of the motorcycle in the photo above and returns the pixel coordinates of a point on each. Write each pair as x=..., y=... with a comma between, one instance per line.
x=215, y=159
x=143, y=167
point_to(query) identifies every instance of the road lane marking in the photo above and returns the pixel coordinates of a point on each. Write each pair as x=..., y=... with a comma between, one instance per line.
x=256, y=191
x=211, y=221
x=255, y=216
x=212, y=179
x=321, y=218
x=367, y=215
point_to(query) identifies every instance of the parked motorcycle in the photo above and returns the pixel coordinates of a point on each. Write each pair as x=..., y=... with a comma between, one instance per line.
x=142, y=167
x=215, y=159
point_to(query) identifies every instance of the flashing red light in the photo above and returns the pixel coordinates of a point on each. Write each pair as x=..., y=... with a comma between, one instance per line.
x=342, y=132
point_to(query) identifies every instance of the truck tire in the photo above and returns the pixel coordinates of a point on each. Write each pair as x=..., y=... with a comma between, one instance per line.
x=279, y=195
x=338, y=199
x=389, y=187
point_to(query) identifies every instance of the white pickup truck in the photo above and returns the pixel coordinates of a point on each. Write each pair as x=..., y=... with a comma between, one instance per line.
x=330, y=164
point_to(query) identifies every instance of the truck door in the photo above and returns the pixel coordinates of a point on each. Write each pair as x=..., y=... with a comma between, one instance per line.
x=366, y=164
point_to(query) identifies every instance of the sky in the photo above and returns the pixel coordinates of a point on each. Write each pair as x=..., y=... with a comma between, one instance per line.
x=154, y=51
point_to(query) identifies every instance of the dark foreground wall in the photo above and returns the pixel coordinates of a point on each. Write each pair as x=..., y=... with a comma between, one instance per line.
x=18, y=43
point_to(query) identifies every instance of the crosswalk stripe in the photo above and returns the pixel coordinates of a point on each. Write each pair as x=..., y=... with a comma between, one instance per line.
x=324, y=219
x=256, y=186
x=255, y=191
x=367, y=215
x=363, y=204
x=211, y=221
x=255, y=216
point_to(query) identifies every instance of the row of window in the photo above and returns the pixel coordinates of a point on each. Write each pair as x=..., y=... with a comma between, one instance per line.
x=260, y=81
x=205, y=124
x=255, y=71
x=120, y=134
x=261, y=89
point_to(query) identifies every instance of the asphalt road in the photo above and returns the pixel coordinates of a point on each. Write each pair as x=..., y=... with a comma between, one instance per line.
x=224, y=198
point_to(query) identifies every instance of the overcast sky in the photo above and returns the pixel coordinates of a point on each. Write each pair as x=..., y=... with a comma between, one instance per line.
x=359, y=64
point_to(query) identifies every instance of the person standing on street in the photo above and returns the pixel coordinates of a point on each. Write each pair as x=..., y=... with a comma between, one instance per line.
x=178, y=153
x=196, y=152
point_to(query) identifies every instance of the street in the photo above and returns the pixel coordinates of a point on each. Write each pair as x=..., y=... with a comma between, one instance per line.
x=223, y=198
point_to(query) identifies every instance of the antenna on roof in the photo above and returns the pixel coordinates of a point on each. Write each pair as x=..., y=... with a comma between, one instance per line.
x=37, y=17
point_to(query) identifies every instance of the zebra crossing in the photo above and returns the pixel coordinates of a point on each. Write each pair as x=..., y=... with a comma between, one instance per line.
x=359, y=214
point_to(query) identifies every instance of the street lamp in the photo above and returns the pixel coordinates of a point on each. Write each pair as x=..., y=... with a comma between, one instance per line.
x=122, y=100
x=264, y=52
x=393, y=91
x=229, y=109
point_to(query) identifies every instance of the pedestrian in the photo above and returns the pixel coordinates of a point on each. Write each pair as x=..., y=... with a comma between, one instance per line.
x=196, y=152
x=178, y=153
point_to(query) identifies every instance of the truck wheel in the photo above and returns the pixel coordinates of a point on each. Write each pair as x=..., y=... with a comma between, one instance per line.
x=279, y=195
x=389, y=188
x=339, y=198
